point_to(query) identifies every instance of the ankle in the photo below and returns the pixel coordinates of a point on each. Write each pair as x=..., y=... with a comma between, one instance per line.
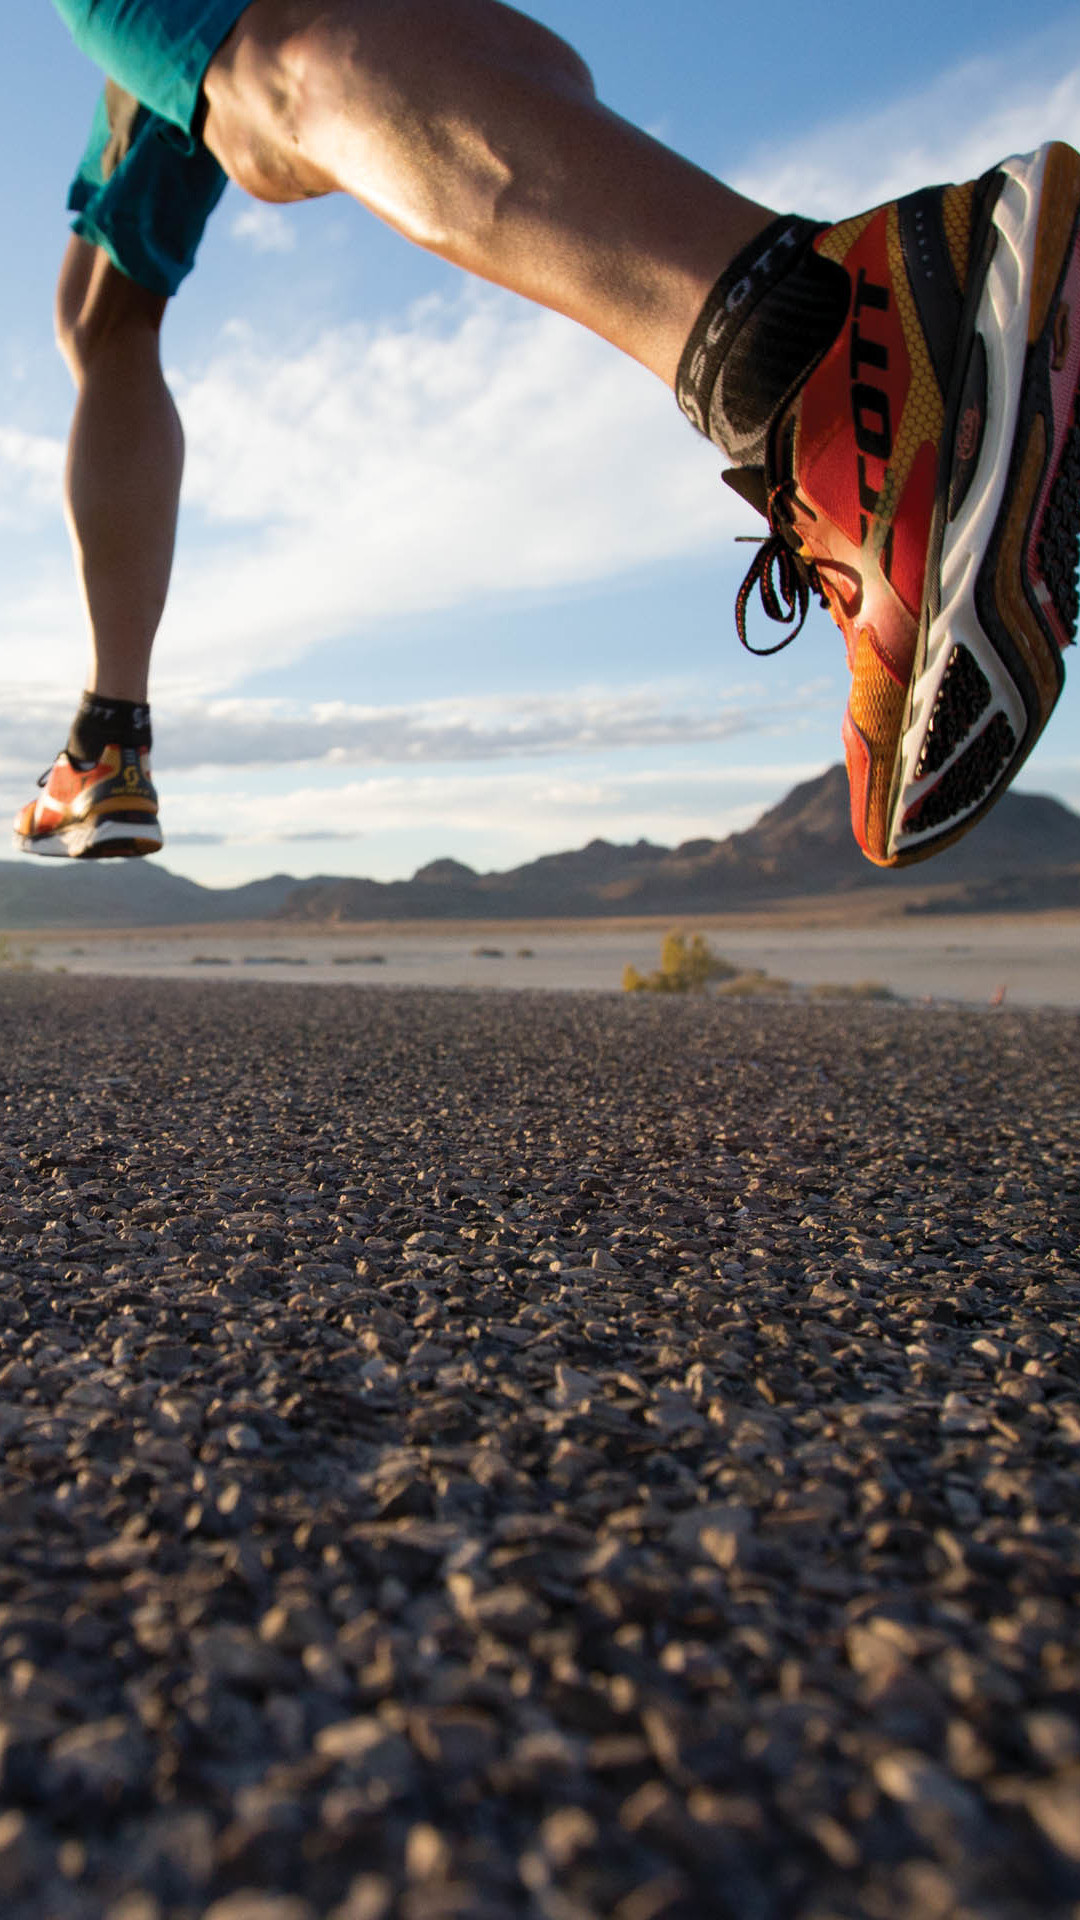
x=102, y=721
x=767, y=321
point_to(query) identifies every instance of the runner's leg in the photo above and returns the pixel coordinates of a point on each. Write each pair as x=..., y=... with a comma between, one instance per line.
x=947, y=557
x=125, y=458
x=477, y=133
x=125, y=455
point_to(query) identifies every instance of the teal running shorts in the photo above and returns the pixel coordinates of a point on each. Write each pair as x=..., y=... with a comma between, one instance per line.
x=146, y=184
x=140, y=196
x=158, y=50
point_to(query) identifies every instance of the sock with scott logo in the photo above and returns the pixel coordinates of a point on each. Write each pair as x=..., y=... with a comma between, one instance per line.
x=770, y=317
x=101, y=723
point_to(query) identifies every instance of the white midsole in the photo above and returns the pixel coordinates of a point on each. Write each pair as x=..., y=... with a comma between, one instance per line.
x=67, y=843
x=1002, y=321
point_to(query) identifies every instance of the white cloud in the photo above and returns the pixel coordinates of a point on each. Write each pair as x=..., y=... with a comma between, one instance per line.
x=264, y=228
x=31, y=467
x=969, y=118
x=226, y=734
x=44, y=655
x=475, y=449
x=586, y=721
x=479, y=449
x=503, y=817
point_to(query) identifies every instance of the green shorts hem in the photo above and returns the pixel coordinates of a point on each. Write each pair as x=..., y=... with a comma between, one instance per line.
x=144, y=198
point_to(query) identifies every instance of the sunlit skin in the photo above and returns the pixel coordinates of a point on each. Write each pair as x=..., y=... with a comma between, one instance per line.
x=469, y=128
x=124, y=465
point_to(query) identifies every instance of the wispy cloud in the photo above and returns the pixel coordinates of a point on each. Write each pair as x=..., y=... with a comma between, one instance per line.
x=478, y=449
x=503, y=816
x=444, y=732
x=226, y=734
x=475, y=448
x=264, y=228
x=31, y=466
x=969, y=118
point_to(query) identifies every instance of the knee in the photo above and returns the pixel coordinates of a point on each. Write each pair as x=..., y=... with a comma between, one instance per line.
x=259, y=91
x=97, y=307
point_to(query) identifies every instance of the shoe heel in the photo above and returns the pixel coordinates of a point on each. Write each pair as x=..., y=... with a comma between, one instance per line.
x=994, y=667
x=1053, y=548
x=1029, y=582
x=1059, y=204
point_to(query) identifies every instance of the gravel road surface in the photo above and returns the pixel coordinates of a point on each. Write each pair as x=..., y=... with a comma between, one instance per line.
x=469, y=1456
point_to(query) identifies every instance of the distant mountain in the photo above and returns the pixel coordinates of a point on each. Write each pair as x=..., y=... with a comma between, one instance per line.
x=124, y=893
x=803, y=846
x=1025, y=855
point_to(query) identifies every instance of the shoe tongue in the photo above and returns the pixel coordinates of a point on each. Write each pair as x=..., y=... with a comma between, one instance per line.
x=750, y=484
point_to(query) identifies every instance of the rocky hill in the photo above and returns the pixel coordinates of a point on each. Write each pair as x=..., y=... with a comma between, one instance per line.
x=124, y=893
x=802, y=846
x=1025, y=855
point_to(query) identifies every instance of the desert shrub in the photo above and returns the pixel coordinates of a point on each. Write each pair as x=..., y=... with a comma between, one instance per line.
x=686, y=966
x=13, y=957
x=857, y=990
x=754, y=981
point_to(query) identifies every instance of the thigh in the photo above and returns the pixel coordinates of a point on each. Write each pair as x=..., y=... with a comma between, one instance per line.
x=157, y=50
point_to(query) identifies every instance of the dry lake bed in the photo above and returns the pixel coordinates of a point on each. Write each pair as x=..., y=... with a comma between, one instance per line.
x=1029, y=959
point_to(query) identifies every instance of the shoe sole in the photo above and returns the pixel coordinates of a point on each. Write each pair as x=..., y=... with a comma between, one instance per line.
x=1001, y=597
x=102, y=839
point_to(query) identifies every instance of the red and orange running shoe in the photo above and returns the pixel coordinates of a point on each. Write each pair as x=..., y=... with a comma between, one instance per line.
x=93, y=813
x=925, y=482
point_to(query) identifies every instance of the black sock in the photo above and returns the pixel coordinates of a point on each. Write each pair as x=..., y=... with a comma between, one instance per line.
x=768, y=320
x=102, y=723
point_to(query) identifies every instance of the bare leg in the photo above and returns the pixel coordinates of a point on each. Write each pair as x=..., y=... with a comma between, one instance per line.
x=477, y=133
x=125, y=459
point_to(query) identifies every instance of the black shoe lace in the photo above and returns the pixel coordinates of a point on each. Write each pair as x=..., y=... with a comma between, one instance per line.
x=783, y=578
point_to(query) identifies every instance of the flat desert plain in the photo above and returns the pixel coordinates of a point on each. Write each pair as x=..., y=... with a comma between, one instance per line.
x=1027, y=959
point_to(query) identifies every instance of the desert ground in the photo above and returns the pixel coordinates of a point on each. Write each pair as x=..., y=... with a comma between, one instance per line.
x=474, y=1455
x=1027, y=959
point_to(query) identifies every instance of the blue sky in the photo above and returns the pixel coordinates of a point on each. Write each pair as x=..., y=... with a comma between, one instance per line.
x=454, y=578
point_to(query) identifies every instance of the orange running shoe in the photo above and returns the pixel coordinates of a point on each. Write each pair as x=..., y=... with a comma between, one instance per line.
x=925, y=482
x=93, y=813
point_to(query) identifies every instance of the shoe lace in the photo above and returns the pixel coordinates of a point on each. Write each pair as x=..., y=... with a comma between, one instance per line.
x=784, y=578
